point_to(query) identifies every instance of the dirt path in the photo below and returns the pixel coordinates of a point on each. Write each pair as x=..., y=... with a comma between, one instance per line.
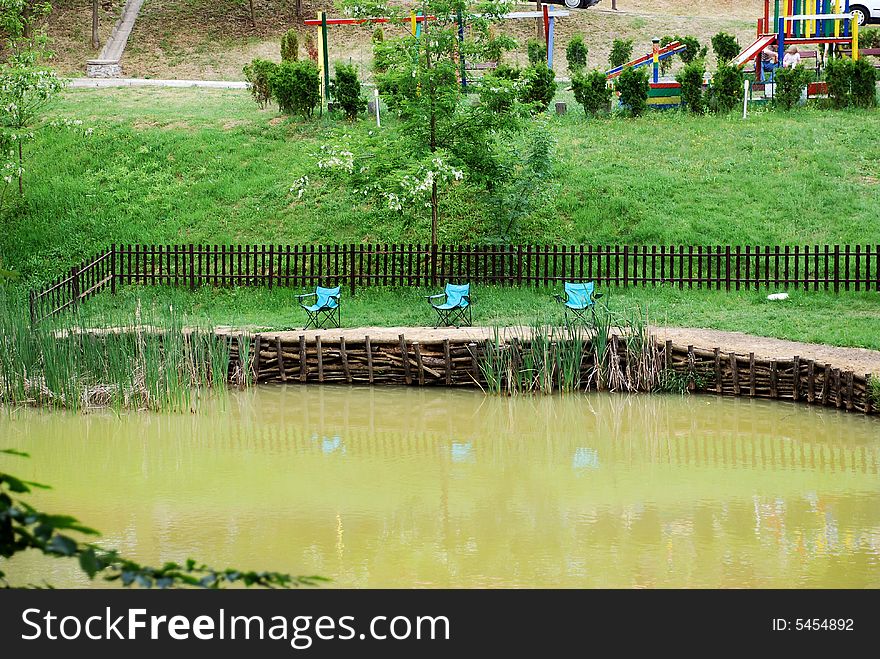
x=858, y=360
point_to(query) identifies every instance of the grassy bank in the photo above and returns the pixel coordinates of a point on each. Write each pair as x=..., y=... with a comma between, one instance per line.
x=179, y=165
x=844, y=320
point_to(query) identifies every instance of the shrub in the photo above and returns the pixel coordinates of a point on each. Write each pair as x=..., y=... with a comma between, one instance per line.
x=592, y=92
x=694, y=51
x=790, y=85
x=289, y=46
x=864, y=84
x=296, y=87
x=576, y=54
x=633, y=87
x=507, y=72
x=691, y=80
x=537, y=51
x=726, y=89
x=346, y=91
x=311, y=47
x=495, y=47
x=539, y=87
x=498, y=94
x=259, y=74
x=621, y=52
x=869, y=38
x=666, y=64
x=726, y=47
x=378, y=35
x=838, y=76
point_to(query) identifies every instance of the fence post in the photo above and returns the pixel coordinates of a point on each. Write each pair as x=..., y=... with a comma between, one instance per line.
x=191, y=267
x=434, y=265
x=271, y=264
x=352, y=270
x=74, y=282
x=113, y=269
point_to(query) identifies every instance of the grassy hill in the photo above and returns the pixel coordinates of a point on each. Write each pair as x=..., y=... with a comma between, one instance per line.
x=214, y=39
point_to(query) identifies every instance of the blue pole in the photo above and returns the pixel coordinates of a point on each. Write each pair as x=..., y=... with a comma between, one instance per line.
x=846, y=23
x=780, y=40
x=461, y=50
x=550, y=45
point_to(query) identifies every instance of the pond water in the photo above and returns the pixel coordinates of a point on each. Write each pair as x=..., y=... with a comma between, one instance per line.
x=402, y=487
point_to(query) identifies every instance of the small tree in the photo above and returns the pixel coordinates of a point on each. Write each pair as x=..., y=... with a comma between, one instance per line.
x=726, y=47
x=537, y=51
x=691, y=80
x=539, y=87
x=289, y=46
x=592, y=92
x=726, y=89
x=838, y=77
x=259, y=74
x=296, y=87
x=496, y=46
x=694, y=50
x=621, y=52
x=864, y=84
x=345, y=88
x=790, y=85
x=633, y=87
x=576, y=54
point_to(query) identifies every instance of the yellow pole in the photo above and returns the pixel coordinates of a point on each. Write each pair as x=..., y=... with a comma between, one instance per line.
x=412, y=20
x=837, y=20
x=855, y=43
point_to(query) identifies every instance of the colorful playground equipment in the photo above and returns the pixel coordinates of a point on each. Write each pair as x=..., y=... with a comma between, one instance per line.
x=416, y=21
x=801, y=22
x=661, y=95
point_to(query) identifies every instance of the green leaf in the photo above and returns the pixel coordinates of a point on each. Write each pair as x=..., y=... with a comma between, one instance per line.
x=15, y=485
x=61, y=544
x=89, y=562
x=12, y=451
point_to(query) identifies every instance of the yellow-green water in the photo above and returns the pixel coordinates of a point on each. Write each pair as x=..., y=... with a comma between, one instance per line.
x=392, y=487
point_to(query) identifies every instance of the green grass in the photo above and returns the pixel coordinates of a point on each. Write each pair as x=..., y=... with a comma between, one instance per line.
x=845, y=320
x=179, y=165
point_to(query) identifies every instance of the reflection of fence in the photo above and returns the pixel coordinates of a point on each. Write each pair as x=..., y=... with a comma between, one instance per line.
x=847, y=267
x=284, y=358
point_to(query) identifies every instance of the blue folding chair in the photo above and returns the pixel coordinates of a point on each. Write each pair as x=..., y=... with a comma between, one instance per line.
x=326, y=309
x=578, y=299
x=456, y=307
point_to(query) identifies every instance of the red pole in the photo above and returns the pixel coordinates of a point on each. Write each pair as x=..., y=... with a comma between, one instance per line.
x=546, y=9
x=766, y=14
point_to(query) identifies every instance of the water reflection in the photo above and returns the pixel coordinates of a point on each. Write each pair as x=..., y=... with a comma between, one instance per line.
x=411, y=487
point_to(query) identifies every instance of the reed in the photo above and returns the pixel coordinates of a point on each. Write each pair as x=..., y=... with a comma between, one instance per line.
x=141, y=365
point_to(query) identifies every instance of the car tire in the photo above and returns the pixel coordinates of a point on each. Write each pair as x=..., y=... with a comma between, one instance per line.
x=572, y=4
x=862, y=17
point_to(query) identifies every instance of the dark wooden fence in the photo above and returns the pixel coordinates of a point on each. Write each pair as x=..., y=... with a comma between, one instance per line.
x=808, y=267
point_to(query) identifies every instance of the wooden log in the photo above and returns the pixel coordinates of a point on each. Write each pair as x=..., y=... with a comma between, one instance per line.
x=796, y=381
x=343, y=353
x=811, y=382
x=303, y=365
x=718, y=382
x=774, y=380
x=838, y=397
x=849, y=391
x=369, y=348
x=752, y=391
x=734, y=367
x=475, y=366
x=256, y=362
x=447, y=362
x=406, y=373
x=280, y=357
x=668, y=354
x=826, y=384
x=419, y=363
x=320, y=354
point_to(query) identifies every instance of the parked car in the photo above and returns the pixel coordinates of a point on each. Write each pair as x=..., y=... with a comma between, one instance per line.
x=573, y=4
x=866, y=11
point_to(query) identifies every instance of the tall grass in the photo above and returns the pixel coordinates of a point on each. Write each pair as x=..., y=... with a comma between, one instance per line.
x=139, y=366
x=612, y=351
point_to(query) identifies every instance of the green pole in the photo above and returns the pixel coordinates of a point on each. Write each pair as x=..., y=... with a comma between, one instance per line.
x=326, y=55
x=775, y=14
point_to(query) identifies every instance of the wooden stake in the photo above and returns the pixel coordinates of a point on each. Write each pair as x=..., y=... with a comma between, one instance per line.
x=668, y=354
x=280, y=355
x=448, y=361
x=405, y=356
x=811, y=382
x=475, y=367
x=691, y=366
x=735, y=368
x=752, y=389
x=774, y=379
x=850, y=377
x=868, y=402
x=343, y=353
x=838, y=398
x=718, y=388
x=796, y=381
x=303, y=366
x=256, y=362
x=826, y=384
x=418, y=352
x=369, y=348
x=320, y=353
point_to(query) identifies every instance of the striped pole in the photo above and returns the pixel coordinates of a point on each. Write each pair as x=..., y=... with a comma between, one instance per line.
x=656, y=52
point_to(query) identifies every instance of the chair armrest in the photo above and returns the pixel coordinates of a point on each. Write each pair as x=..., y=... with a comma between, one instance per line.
x=300, y=297
x=433, y=297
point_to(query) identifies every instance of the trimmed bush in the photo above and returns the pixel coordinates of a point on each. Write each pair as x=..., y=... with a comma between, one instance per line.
x=539, y=87
x=838, y=77
x=726, y=89
x=864, y=84
x=537, y=51
x=576, y=54
x=726, y=47
x=296, y=87
x=621, y=52
x=633, y=87
x=695, y=50
x=259, y=74
x=592, y=92
x=289, y=46
x=790, y=86
x=495, y=47
x=345, y=88
x=507, y=72
x=691, y=80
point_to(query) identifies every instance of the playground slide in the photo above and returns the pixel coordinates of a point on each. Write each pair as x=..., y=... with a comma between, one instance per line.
x=752, y=51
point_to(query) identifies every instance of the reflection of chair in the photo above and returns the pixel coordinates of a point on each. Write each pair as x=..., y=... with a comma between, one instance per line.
x=456, y=309
x=578, y=298
x=325, y=310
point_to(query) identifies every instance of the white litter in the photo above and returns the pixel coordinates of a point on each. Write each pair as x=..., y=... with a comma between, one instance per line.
x=778, y=296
